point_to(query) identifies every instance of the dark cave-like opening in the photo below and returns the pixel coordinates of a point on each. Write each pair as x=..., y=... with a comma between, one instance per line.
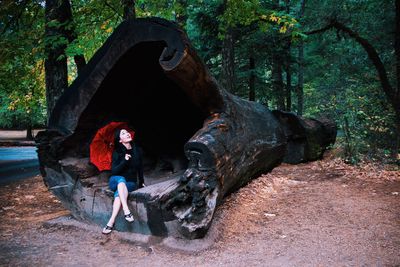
x=137, y=91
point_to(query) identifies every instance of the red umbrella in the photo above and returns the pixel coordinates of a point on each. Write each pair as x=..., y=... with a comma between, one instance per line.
x=102, y=144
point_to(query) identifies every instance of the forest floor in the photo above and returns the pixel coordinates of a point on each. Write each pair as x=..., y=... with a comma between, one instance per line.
x=324, y=213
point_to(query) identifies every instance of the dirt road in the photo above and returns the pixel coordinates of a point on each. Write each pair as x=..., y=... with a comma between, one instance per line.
x=323, y=213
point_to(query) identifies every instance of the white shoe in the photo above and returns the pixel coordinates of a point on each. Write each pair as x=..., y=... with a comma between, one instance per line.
x=129, y=217
x=107, y=230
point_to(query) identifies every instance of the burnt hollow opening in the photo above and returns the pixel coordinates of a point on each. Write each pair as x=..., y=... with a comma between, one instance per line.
x=137, y=91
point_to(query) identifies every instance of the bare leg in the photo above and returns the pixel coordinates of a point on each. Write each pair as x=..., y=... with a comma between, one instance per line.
x=123, y=195
x=116, y=207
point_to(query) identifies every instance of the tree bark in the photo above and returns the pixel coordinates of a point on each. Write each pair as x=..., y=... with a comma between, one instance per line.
x=252, y=79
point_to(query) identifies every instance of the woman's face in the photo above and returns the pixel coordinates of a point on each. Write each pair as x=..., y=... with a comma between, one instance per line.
x=124, y=136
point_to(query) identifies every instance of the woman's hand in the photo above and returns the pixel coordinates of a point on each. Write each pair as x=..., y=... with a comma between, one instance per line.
x=127, y=156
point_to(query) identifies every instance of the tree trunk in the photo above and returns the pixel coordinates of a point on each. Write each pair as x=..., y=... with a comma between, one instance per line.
x=228, y=62
x=288, y=71
x=300, y=79
x=80, y=63
x=227, y=78
x=252, y=79
x=288, y=62
x=300, y=74
x=29, y=134
x=396, y=148
x=214, y=141
x=307, y=139
x=277, y=63
x=129, y=9
x=397, y=52
x=397, y=48
x=288, y=87
x=57, y=13
x=277, y=79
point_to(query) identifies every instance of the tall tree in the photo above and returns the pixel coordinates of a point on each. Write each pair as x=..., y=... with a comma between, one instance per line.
x=59, y=33
x=277, y=65
x=288, y=71
x=228, y=57
x=21, y=85
x=288, y=62
x=300, y=60
x=397, y=94
x=228, y=61
x=252, y=78
x=57, y=16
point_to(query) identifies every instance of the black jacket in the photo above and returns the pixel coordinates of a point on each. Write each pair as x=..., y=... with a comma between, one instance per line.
x=131, y=169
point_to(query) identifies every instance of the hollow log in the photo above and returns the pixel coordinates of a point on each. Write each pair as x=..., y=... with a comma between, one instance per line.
x=199, y=141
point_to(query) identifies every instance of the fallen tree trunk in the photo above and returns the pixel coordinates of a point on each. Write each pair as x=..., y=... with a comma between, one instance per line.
x=199, y=141
x=307, y=139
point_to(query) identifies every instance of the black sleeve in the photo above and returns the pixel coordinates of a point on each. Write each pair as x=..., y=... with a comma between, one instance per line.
x=140, y=167
x=118, y=163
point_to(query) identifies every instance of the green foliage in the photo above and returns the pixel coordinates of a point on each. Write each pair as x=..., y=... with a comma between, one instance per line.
x=342, y=82
x=339, y=79
x=22, y=90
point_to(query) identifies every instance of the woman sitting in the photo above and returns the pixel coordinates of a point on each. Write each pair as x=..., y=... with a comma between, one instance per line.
x=127, y=175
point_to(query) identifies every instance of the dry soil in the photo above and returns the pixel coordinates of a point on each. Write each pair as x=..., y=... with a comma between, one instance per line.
x=324, y=213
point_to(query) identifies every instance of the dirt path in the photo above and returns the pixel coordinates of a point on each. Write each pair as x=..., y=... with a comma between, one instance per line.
x=15, y=134
x=318, y=214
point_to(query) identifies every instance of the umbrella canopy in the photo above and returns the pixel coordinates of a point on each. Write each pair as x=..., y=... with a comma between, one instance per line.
x=102, y=144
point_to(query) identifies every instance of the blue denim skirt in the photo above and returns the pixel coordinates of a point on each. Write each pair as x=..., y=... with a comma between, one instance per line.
x=115, y=180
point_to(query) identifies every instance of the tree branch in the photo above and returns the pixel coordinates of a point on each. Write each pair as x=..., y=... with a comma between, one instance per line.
x=372, y=55
x=327, y=27
x=113, y=9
